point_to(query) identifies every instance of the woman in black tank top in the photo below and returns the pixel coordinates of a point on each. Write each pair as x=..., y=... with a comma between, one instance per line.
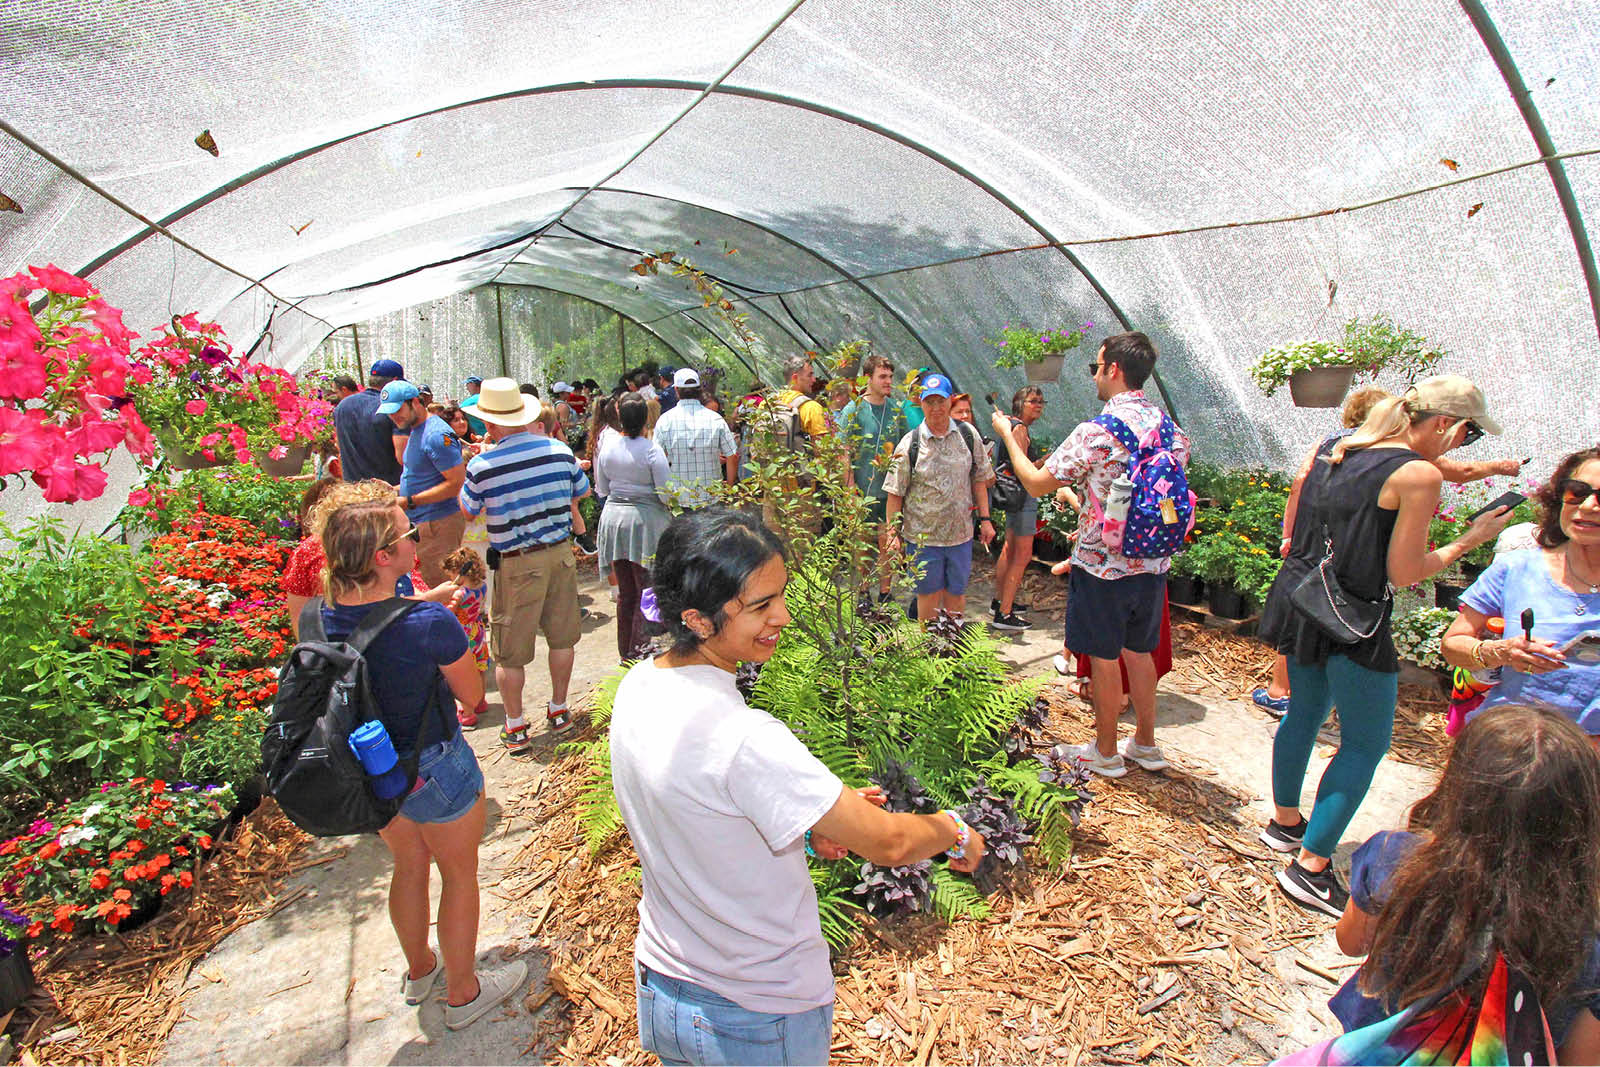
x=1372, y=494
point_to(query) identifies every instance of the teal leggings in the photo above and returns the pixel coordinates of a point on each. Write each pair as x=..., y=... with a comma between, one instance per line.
x=1366, y=700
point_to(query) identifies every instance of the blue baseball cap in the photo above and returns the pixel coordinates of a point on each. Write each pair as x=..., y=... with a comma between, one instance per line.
x=937, y=385
x=395, y=396
x=473, y=380
x=388, y=368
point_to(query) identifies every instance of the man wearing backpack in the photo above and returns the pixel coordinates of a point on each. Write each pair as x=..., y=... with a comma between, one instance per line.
x=1114, y=596
x=795, y=405
x=937, y=484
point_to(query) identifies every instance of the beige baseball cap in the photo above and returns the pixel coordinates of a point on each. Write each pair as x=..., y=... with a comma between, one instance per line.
x=1453, y=395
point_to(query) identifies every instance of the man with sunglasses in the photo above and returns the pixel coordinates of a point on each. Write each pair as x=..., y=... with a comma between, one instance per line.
x=1113, y=602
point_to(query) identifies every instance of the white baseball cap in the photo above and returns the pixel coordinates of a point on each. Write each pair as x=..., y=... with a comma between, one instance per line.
x=686, y=378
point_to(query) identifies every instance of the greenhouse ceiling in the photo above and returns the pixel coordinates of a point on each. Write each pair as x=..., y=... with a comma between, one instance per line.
x=1224, y=176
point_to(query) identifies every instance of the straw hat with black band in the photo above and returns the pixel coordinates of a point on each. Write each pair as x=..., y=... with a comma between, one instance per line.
x=501, y=402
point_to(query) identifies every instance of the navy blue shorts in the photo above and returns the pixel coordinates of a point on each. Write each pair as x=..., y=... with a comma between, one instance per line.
x=944, y=569
x=450, y=782
x=1106, y=616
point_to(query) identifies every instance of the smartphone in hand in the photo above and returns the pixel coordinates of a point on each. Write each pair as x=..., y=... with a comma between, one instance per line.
x=1508, y=499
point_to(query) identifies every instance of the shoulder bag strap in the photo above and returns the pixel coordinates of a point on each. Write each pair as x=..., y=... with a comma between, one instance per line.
x=378, y=619
x=311, y=621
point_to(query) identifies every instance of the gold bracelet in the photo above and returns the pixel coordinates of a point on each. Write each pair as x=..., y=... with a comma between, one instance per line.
x=1476, y=655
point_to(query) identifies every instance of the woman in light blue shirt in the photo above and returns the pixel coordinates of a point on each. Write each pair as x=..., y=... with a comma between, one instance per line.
x=1560, y=582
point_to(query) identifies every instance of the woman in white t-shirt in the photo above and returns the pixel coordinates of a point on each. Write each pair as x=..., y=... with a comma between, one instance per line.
x=721, y=800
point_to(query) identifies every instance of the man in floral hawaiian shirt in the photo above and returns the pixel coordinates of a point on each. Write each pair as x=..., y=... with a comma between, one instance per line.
x=1113, y=602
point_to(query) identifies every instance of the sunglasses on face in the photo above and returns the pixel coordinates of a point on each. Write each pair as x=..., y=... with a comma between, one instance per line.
x=1474, y=432
x=412, y=534
x=1575, y=492
x=1094, y=367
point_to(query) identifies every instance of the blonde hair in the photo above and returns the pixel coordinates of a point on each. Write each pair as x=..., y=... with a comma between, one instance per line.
x=353, y=521
x=1387, y=418
x=1358, y=405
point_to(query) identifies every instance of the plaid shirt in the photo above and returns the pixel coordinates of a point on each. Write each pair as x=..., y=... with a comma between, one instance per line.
x=695, y=439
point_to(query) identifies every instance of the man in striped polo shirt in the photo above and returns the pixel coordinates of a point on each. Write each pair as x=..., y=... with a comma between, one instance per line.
x=527, y=483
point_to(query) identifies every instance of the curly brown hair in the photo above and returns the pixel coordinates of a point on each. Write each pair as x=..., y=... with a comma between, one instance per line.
x=1511, y=847
x=1548, y=497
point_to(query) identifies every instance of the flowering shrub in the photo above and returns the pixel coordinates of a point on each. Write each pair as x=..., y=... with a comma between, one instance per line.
x=247, y=493
x=63, y=376
x=1456, y=502
x=112, y=852
x=225, y=746
x=201, y=399
x=1023, y=344
x=1236, y=542
x=1418, y=632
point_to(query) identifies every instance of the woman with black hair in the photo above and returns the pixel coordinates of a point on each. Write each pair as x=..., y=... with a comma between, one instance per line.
x=722, y=803
x=631, y=474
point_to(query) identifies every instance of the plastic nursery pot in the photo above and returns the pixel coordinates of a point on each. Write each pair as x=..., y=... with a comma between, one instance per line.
x=1447, y=595
x=1185, y=589
x=1320, y=387
x=16, y=979
x=292, y=463
x=1471, y=571
x=1226, y=602
x=1047, y=369
x=182, y=460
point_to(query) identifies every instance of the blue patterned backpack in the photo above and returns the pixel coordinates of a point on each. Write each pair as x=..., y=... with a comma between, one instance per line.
x=1161, y=513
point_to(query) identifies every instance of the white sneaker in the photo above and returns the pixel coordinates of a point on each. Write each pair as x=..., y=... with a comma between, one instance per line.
x=417, y=989
x=1105, y=766
x=493, y=988
x=1147, y=756
x=1063, y=668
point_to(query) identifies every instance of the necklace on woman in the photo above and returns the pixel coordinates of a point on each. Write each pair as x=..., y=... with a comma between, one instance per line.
x=1572, y=572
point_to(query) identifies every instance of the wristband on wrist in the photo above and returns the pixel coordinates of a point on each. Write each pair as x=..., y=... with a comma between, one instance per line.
x=963, y=834
x=809, y=850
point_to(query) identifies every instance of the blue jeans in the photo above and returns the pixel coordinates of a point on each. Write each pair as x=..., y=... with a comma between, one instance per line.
x=684, y=1023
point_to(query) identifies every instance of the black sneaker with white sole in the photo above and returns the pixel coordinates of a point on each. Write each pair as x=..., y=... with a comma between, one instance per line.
x=1314, y=889
x=1009, y=622
x=1282, y=838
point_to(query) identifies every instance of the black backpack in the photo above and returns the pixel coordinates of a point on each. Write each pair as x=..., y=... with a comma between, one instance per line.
x=323, y=695
x=1007, y=493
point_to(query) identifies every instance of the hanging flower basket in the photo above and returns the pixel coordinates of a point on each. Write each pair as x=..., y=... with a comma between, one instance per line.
x=181, y=459
x=1320, y=387
x=1047, y=369
x=292, y=463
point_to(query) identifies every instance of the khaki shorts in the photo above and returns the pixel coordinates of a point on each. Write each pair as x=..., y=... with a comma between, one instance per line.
x=436, y=539
x=534, y=593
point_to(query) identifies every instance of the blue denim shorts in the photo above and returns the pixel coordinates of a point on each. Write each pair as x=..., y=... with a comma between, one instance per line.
x=449, y=782
x=1105, y=616
x=685, y=1023
x=1025, y=520
x=944, y=569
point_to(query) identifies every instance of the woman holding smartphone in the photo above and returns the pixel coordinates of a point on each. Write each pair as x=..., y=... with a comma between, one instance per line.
x=1555, y=665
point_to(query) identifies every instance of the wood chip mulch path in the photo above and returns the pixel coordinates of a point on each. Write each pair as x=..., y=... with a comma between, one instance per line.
x=1164, y=940
x=114, y=1000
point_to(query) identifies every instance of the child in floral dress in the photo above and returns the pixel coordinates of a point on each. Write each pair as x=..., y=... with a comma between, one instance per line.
x=472, y=582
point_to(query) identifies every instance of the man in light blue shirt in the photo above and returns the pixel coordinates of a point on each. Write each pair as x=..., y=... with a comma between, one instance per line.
x=430, y=477
x=699, y=446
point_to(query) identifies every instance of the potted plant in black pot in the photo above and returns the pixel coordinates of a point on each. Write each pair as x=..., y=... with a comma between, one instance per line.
x=16, y=973
x=1183, y=585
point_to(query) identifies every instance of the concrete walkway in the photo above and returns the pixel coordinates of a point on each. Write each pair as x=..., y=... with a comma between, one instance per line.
x=318, y=983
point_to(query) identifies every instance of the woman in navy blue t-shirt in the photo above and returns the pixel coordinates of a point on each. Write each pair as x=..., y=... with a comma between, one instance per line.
x=1503, y=856
x=416, y=665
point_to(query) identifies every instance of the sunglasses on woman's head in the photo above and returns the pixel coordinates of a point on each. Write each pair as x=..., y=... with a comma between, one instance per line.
x=412, y=534
x=1575, y=492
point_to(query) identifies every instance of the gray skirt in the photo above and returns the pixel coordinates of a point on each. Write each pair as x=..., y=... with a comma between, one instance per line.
x=629, y=531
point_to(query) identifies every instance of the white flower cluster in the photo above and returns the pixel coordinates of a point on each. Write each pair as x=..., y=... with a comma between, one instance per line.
x=217, y=595
x=1417, y=634
x=1273, y=367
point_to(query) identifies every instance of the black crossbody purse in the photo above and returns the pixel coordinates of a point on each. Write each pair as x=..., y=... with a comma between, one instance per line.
x=1343, y=617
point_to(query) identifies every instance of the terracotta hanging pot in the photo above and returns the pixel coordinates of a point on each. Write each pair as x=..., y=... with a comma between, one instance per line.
x=292, y=463
x=1320, y=387
x=181, y=459
x=1047, y=369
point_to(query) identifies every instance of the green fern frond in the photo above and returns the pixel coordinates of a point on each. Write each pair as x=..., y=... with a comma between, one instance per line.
x=955, y=897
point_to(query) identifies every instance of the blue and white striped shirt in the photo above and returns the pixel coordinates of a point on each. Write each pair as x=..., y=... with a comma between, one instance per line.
x=527, y=484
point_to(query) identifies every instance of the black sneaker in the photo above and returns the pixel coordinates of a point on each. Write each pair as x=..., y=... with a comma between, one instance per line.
x=1282, y=838
x=1017, y=608
x=1320, y=890
x=1011, y=623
